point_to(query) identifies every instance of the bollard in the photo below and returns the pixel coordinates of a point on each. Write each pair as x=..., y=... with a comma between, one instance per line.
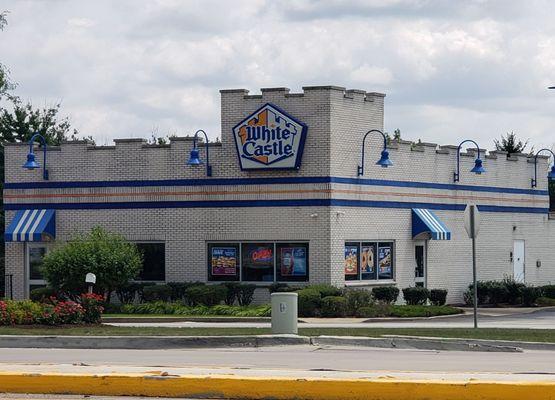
x=284, y=313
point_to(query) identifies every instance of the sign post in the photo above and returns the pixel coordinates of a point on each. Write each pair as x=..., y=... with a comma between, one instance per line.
x=472, y=226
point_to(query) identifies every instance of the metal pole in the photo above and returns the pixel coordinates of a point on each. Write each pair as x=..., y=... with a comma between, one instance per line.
x=472, y=222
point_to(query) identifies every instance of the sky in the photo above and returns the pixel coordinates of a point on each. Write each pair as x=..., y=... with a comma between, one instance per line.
x=451, y=70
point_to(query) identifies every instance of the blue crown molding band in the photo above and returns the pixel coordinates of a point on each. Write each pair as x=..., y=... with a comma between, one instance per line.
x=270, y=181
x=270, y=203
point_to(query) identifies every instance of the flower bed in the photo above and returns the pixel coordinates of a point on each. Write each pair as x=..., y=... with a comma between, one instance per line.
x=86, y=310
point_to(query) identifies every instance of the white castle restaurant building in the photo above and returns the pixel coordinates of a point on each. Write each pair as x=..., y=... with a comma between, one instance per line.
x=287, y=195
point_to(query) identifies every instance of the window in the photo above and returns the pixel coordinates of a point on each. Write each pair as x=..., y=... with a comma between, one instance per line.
x=223, y=262
x=258, y=262
x=368, y=261
x=154, y=261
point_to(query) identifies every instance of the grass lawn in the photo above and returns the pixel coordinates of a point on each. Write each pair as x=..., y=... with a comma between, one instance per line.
x=531, y=335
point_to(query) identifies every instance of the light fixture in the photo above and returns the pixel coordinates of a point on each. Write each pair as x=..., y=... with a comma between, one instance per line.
x=31, y=162
x=384, y=160
x=550, y=175
x=194, y=157
x=478, y=167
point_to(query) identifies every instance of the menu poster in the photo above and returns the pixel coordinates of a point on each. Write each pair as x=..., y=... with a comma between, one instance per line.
x=385, y=269
x=351, y=260
x=293, y=261
x=368, y=259
x=224, y=261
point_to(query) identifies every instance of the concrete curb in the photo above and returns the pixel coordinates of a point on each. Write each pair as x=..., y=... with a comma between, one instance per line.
x=180, y=342
x=258, y=388
x=148, y=342
x=416, y=343
x=120, y=320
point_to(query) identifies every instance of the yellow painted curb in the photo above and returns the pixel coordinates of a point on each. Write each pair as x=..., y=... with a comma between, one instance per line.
x=258, y=388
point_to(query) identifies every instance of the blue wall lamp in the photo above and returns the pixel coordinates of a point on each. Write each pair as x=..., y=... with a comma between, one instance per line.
x=384, y=160
x=31, y=163
x=550, y=175
x=478, y=168
x=194, y=158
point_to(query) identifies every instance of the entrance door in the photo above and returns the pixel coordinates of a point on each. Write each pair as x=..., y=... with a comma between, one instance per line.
x=35, y=254
x=518, y=260
x=420, y=263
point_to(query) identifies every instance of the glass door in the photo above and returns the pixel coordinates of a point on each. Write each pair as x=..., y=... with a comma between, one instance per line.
x=420, y=263
x=34, y=257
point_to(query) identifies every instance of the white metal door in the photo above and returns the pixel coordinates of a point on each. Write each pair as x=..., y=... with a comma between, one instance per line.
x=518, y=260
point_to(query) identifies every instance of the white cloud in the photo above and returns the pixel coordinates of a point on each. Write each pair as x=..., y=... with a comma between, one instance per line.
x=128, y=68
x=371, y=75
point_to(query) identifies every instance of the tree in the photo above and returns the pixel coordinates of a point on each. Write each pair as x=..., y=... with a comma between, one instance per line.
x=109, y=256
x=511, y=144
x=5, y=84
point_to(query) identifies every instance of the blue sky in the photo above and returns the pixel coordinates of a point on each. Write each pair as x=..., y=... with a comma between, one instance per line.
x=450, y=69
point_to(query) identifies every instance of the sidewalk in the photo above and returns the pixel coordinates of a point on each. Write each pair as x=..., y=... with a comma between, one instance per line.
x=518, y=318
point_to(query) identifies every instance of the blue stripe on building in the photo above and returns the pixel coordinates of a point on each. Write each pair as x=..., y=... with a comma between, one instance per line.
x=271, y=181
x=270, y=203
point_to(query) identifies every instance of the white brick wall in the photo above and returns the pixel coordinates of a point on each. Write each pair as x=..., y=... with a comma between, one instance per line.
x=337, y=120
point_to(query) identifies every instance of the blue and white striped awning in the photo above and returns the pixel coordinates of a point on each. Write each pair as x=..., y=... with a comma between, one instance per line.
x=426, y=225
x=32, y=226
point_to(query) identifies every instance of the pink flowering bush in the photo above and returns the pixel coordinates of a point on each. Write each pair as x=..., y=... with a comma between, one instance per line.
x=88, y=310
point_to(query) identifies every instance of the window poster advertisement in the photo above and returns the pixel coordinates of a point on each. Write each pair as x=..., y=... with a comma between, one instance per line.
x=224, y=261
x=385, y=270
x=293, y=261
x=368, y=259
x=351, y=260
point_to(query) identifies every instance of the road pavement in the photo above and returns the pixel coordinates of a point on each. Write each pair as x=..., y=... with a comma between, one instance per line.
x=292, y=358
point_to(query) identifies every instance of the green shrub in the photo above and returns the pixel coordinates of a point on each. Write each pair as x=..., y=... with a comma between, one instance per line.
x=498, y=293
x=180, y=309
x=42, y=294
x=178, y=290
x=385, y=294
x=278, y=287
x=530, y=294
x=513, y=290
x=357, y=298
x=334, y=306
x=157, y=293
x=309, y=302
x=126, y=293
x=438, y=297
x=405, y=311
x=140, y=290
x=207, y=295
x=415, y=296
x=326, y=290
x=232, y=292
x=109, y=256
x=422, y=311
x=548, y=291
x=545, y=301
x=245, y=294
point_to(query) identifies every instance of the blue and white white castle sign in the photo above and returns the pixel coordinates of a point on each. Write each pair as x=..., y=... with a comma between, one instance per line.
x=269, y=138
